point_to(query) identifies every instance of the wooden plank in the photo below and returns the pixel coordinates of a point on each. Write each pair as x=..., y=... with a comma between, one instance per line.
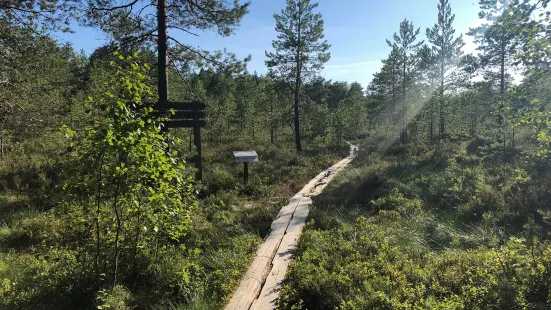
x=261, y=285
x=250, y=286
x=179, y=114
x=284, y=256
x=192, y=105
x=188, y=123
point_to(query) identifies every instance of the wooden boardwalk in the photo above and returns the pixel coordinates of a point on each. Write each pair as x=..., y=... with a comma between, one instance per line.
x=261, y=284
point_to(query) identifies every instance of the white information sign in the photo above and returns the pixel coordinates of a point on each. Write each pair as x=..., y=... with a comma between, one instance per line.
x=245, y=156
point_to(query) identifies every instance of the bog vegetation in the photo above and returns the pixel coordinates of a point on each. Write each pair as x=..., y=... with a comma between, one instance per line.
x=447, y=205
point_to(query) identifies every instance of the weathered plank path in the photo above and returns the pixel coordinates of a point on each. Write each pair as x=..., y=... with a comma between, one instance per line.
x=261, y=284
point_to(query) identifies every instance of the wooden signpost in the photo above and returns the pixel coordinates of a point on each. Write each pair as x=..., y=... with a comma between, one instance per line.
x=245, y=157
x=185, y=115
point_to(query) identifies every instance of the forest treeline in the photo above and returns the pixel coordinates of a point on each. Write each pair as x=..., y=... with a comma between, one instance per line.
x=99, y=208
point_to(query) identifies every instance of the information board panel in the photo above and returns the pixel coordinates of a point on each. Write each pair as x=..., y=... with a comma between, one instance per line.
x=245, y=156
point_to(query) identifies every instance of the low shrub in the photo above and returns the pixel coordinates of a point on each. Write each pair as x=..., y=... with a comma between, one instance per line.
x=426, y=229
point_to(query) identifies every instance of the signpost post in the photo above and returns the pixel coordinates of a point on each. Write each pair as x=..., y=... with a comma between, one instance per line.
x=245, y=157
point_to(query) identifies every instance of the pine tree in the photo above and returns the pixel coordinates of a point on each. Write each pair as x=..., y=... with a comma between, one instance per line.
x=22, y=22
x=447, y=51
x=528, y=21
x=391, y=66
x=497, y=44
x=407, y=49
x=38, y=16
x=130, y=22
x=387, y=84
x=428, y=78
x=299, y=49
x=355, y=106
x=377, y=98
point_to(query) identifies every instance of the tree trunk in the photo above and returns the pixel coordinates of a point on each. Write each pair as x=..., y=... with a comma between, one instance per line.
x=242, y=115
x=393, y=89
x=297, y=119
x=502, y=74
x=98, y=213
x=501, y=85
x=404, y=130
x=297, y=88
x=117, y=235
x=272, y=124
x=442, y=127
x=513, y=140
x=431, y=120
x=161, y=51
x=137, y=239
x=501, y=118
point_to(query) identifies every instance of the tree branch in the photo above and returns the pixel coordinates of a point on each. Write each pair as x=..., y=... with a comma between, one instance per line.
x=114, y=8
x=182, y=29
x=182, y=76
x=205, y=57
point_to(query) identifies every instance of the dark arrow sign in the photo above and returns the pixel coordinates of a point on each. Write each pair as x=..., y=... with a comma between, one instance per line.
x=179, y=114
x=192, y=105
x=186, y=115
x=186, y=123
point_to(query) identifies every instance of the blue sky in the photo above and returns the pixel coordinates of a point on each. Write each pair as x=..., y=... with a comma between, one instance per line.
x=356, y=30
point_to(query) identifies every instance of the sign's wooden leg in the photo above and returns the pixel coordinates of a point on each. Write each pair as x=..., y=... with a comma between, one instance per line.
x=198, y=163
x=245, y=172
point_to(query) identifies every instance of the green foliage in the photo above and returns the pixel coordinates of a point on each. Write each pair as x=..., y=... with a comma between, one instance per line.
x=125, y=24
x=299, y=49
x=129, y=195
x=417, y=232
x=307, y=51
x=397, y=202
x=459, y=222
x=34, y=280
x=115, y=299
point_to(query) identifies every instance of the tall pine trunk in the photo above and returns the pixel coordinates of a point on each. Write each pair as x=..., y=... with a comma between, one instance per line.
x=431, y=120
x=393, y=88
x=297, y=118
x=272, y=123
x=501, y=82
x=161, y=51
x=297, y=88
x=442, y=127
x=501, y=118
x=404, y=129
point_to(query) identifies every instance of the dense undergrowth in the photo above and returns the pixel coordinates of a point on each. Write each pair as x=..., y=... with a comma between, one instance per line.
x=36, y=271
x=452, y=226
x=115, y=221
